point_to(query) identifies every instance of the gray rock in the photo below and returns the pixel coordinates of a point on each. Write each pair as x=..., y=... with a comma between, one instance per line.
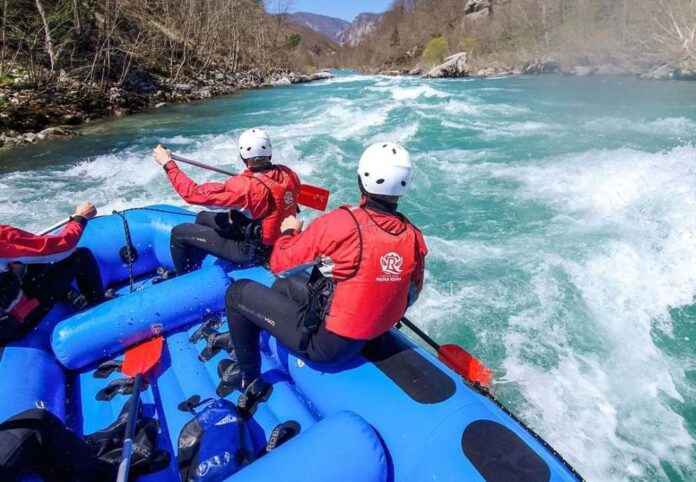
x=477, y=9
x=684, y=74
x=582, y=70
x=322, y=75
x=160, y=104
x=183, y=87
x=417, y=70
x=487, y=72
x=453, y=66
x=54, y=133
x=283, y=81
x=390, y=73
x=541, y=67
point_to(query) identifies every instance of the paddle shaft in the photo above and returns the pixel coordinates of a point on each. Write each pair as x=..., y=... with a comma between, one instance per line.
x=420, y=333
x=59, y=224
x=127, y=450
x=178, y=158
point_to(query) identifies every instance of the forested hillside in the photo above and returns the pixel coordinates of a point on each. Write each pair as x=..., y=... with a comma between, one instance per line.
x=654, y=38
x=62, y=61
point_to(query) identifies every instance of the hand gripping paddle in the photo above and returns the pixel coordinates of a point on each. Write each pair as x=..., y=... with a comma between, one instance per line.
x=456, y=357
x=310, y=196
x=138, y=361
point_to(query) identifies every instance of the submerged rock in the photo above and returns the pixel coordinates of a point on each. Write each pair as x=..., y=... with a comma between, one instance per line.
x=453, y=66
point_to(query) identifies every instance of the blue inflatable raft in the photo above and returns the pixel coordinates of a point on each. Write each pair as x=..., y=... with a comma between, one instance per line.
x=395, y=413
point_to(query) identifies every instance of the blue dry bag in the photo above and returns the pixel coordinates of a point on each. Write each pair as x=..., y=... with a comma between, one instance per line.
x=215, y=444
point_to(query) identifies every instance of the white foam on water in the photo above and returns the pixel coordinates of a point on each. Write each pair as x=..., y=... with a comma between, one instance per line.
x=408, y=93
x=610, y=410
x=670, y=126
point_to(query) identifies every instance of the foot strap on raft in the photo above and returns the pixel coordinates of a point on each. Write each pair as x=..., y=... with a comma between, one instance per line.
x=107, y=368
x=281, y=434
x=122, y=386
x=215, y=341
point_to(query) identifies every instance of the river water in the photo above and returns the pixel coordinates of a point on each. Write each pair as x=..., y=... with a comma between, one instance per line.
x=560, y=214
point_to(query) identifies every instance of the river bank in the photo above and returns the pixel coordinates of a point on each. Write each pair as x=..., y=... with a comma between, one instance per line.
x=30, y=115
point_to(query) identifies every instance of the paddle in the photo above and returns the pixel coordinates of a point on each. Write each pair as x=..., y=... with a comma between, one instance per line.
x=310, y=196
x=59, y=224
x=455, y=357
x=138, y=361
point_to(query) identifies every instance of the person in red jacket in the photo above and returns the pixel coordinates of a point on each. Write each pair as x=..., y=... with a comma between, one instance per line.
x=36, y=272
x=258, y=200
x=368, y=263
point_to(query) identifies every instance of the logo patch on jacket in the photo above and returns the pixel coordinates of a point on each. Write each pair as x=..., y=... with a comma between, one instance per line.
x=288, y=199
x=391, y=267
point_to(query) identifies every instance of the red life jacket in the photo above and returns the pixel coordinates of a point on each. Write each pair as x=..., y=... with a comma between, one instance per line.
x=284, y=193
x=369, y=303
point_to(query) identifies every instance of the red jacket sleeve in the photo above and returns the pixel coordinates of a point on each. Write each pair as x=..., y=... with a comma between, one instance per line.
x=322, y=239
x=23, y=247
x=234, y=193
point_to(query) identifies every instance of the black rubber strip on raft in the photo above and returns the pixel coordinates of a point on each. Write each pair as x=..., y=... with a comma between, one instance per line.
x=412, y=372
x=499, y=455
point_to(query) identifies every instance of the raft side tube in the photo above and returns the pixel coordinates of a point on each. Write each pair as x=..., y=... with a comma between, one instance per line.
x=340, y=448
x=150, y=230
x=45, y=388
x=111, y=327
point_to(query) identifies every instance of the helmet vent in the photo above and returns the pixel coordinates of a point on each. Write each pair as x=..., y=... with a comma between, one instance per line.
x=367, y=174
x=385, y=145
x=394, y=151
x=248, y=148
x=403, y=183
x=380, y=181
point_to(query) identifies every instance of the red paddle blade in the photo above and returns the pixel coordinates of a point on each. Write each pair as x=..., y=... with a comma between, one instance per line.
x=459, y=360
x=314, y=197
x=141, y=358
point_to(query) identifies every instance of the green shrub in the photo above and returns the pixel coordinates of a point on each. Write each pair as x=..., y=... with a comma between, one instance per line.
x=469, y=45
x=5, y=80
x=293, y=41
x=435, y=51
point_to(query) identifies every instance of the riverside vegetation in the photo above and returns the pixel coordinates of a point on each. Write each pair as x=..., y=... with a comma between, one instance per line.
x=65, y=62
x=654, y=39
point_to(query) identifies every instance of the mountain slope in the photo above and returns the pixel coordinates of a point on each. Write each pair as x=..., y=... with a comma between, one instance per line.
x=329, y=27
x=362, y=25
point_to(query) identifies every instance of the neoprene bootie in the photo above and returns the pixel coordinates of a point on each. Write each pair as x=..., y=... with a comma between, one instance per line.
x=146, y=457
x=253, y=391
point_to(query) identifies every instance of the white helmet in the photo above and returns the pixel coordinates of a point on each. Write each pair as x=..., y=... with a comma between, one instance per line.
x=386, y=168
x=255, y=143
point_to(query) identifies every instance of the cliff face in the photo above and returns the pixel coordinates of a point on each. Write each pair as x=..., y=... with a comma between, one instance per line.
x=363, y=25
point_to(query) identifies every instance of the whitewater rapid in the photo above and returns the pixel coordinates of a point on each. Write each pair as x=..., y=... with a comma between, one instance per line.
x=559, y=214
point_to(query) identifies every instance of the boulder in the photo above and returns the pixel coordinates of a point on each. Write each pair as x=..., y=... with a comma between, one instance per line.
x=453, y=66
x=541, y=67
x=487, y=72
x=390, y=73
x=684, y=74
x=322, y=75
x=417, y=70
x=53, y=133
x=283, y=81
x=477, y=9
x=160, y=104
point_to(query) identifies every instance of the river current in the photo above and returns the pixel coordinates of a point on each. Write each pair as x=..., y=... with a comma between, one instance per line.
x=560, y=215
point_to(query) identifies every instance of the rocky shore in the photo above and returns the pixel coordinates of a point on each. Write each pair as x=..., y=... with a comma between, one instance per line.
x=28, y=115
x=458, y=65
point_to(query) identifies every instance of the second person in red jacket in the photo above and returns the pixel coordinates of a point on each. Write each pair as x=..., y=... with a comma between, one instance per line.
x=368, y=268
x=258, y=200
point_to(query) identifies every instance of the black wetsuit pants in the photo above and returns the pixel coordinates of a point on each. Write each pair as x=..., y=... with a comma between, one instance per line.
x=49, y=284
x=214, y=233
x=36, y=442
x=280, y=310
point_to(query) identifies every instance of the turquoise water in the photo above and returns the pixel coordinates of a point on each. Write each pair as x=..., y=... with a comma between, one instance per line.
x=559, y=213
